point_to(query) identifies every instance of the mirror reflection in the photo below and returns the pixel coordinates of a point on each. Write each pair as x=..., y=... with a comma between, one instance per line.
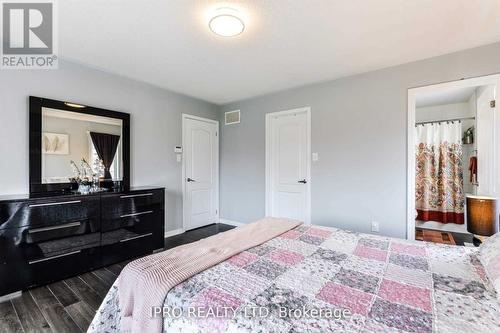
x=81, y=148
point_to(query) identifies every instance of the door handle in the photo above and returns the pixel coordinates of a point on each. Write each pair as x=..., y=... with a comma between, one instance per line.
x=189, y=180
x=303, y=181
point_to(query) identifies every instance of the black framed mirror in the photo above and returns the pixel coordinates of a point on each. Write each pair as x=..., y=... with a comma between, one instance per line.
x=77, y=148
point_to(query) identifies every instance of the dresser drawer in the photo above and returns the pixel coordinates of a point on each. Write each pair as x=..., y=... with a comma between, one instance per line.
x=39, y=234
x=141, y=220
x=123, y=245
x=133, y=227
x=25, y=274
x=48, y=212
x=29, y=244
x=30, y=257
x=117, y=205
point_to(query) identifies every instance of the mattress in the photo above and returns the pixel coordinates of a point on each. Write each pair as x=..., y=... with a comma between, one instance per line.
x=319, y=279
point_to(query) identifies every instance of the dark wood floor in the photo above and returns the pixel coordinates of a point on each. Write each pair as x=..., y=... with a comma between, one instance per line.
x=70, y=305
x=459, y=238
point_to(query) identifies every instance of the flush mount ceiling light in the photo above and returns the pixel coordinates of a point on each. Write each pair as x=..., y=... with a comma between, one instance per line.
x=226, y=22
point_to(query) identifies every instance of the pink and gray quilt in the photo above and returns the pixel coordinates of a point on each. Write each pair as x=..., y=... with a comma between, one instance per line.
x=387, y=284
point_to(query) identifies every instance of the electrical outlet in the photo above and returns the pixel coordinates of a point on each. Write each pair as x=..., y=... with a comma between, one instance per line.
x=375, y=226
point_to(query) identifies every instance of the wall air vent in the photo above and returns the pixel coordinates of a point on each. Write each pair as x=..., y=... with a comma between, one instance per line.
x=232, y=117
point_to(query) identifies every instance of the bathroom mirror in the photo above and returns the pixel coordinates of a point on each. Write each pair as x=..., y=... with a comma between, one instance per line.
x=73, y=144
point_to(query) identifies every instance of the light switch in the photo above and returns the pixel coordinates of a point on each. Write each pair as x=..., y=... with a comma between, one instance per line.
x=315, y=157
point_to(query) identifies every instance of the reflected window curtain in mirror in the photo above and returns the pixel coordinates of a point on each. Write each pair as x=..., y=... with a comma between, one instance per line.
x=439, y=180
x=106, y=146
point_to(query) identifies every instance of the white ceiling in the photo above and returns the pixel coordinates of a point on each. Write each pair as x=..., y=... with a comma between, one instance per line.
x=456, y=95
x=287, y=43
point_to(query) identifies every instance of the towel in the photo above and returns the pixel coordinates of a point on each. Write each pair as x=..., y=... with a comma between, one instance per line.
x=473, y=169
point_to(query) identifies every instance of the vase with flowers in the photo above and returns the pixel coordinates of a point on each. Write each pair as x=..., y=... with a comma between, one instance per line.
x=82, y=176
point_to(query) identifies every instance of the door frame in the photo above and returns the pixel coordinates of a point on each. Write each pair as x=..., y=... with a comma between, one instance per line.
x=269, y=173
x=410, y=167
x=185, y=117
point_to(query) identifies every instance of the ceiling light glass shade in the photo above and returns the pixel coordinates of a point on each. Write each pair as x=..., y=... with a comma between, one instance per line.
x=226, y=23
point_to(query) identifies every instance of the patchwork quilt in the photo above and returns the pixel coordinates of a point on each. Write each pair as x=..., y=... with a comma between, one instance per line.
x=318, y=279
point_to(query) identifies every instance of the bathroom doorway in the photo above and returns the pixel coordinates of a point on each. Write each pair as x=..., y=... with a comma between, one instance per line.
x=451, y=154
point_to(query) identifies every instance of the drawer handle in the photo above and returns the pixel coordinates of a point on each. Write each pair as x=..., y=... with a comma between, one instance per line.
x=55, y=204
x=136, y=195
x=137, y=214
x=54, y=257
x=136, y=237
x=62, y=226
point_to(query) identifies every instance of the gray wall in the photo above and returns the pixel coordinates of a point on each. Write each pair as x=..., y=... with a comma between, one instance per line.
x=155, y=124
x=358, y=129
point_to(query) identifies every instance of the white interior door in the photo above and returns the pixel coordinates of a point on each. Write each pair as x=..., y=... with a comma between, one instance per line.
x=201, y=185
x=288, y=162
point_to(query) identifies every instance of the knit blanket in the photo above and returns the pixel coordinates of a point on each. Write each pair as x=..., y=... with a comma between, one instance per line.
x=145, y=282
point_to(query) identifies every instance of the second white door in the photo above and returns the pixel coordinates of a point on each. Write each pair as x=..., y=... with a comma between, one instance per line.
x=201, y=150
x=288, y=164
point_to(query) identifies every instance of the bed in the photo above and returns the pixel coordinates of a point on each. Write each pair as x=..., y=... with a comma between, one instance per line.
x=319, y=279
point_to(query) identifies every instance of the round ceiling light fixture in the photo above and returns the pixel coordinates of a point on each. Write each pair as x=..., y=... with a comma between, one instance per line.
x=225, y=22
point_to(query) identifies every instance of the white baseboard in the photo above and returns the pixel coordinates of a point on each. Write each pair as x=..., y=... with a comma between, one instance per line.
x=174, y=232
x=235, y=223
x=10, y=296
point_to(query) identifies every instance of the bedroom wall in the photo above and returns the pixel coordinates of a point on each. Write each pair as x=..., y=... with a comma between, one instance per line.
x=444, y=111
x=359, y=127
x=155, y=124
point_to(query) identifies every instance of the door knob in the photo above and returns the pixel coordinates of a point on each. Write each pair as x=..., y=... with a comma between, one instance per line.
x=303, y=181
x=190, y=180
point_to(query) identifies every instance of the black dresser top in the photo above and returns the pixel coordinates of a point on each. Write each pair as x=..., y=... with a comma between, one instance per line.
x=21, y=197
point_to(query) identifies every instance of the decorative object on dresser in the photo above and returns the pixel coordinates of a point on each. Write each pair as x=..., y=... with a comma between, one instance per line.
x=482, y=217
x=86, y=179
x=51, y=238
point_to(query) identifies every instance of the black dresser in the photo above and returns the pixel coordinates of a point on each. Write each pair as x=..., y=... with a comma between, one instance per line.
x=51, y=238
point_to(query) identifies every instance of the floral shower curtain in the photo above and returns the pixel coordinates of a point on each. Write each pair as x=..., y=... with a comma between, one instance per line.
x=439, y=176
